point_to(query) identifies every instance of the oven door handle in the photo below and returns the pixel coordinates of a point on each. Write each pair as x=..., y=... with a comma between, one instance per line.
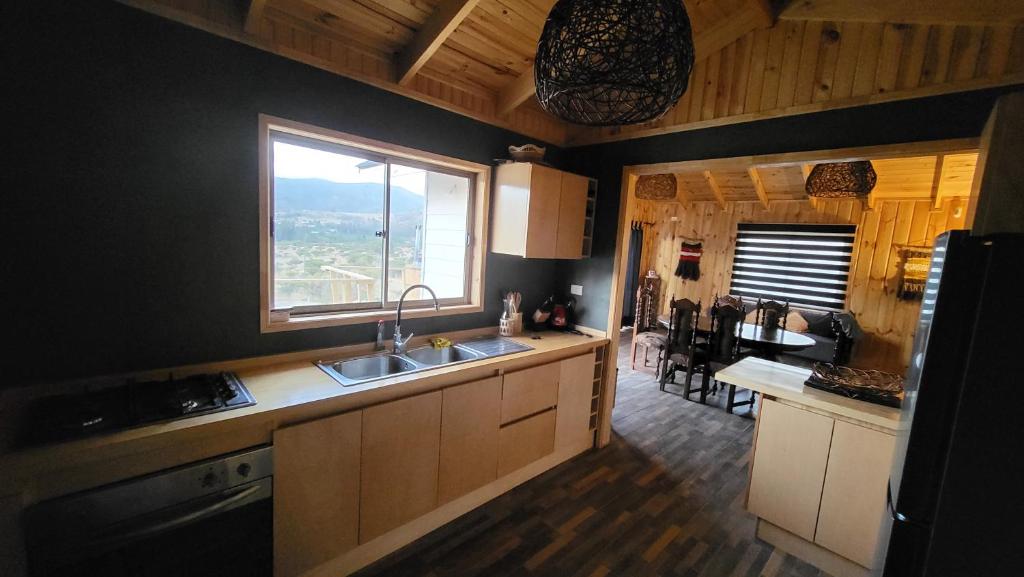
x=125, y=532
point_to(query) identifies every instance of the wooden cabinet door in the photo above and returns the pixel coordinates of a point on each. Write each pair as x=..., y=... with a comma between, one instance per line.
x=529, y=391
x=788, y=472
x=542, y=225
x=470, y=418
x=401, y=444
x=575, y=390
x=316, y=492
x=523, y=442
x=853, y=499
x=572, y=213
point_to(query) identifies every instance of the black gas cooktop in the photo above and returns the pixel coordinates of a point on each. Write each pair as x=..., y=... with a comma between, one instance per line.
x=133, y=404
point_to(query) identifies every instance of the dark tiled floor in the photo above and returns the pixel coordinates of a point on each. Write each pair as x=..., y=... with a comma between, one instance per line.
x=664, y=498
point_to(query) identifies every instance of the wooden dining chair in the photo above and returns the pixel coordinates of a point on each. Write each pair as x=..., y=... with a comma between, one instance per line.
x=723, y=348
x=769, y=313
x=681, y=351
x=645, y=329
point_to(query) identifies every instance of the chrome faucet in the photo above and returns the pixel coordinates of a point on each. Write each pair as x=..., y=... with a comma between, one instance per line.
x=399, y=347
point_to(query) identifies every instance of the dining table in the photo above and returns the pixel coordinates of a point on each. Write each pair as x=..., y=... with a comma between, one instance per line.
x=769, y=343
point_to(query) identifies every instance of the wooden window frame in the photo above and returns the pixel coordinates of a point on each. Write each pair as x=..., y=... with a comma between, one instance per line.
x=276, y=321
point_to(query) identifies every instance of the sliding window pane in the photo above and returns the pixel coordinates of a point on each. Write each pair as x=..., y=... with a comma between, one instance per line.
x=328, y=211
x=427, y=233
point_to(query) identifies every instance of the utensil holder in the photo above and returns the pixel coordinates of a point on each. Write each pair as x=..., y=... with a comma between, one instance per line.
x=512, y=326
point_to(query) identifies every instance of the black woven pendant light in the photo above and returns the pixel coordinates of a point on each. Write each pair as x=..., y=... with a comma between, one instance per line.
x=613, y=62
x=841, y=179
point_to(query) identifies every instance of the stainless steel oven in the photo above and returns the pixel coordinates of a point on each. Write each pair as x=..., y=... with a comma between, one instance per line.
x=213, y=517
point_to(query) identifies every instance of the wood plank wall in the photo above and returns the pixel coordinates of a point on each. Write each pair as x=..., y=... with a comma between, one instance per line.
x=888, y=322
x=806, y=66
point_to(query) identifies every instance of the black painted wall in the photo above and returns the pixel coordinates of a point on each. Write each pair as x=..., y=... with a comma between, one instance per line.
x=130, y=188
x=952, y=116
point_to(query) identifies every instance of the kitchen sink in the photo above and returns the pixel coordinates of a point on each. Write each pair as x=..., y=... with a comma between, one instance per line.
x=373, y=367
x=351, y=372
x=433, y=357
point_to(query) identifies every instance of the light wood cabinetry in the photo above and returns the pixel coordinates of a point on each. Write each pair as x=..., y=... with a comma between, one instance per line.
x=539, y=212
x=525, y=441
x=529, y=391
x=470, y=418
x=853, y=498
x=575, y=392
x=789, y=467
x=399, y=468
x=316, y=492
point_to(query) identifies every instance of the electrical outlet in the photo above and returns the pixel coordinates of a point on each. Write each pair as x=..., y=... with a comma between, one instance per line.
x=576, y=289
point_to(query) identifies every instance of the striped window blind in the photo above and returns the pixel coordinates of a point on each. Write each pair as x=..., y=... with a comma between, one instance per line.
x=805, y=264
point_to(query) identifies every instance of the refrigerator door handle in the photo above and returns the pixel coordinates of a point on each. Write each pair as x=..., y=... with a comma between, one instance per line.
x=896, y=515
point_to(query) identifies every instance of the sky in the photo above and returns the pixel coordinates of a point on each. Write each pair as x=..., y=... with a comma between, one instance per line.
x=291, y=161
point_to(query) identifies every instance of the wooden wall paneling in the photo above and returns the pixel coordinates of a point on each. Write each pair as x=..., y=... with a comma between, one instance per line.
x=966, y=48
x=740, y=74
x=773, y=67
x=889, y=57
x=828, y=56
x=758, y=59
x=867, y=59
x=912, y=57
x=714, y=64
x=937, y=54
x=809, y=58
x=697, y=86
x=723, y=96
x=846, y=63
x=791, y=54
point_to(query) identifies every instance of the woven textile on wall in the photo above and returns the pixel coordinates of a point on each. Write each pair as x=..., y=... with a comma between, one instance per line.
x=689, y=261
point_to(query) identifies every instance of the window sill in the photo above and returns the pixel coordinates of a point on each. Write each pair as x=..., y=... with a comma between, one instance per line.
x=297, y=323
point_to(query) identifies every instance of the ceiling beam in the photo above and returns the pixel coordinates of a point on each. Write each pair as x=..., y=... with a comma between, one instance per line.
x=715, y=188
x=908, y=11
x=682, y=195
x=754, y=15
x=762, y=194
x=517, y=92
x=438, y=27
x=253, y=16
x=937, y=180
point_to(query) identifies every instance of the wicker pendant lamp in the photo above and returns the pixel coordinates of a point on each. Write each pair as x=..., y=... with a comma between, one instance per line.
x=613, y=62
x=841, y=179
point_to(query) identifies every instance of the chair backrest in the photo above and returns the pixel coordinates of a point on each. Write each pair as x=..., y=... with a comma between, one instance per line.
x=645, y=317
x=726, y=326
x=769, y=313
x=682, y=326
x=735, y=302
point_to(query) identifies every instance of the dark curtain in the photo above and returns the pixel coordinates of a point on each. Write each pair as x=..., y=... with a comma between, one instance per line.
x=636, y=246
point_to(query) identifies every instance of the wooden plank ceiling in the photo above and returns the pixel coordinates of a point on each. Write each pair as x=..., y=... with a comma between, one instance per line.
x=475, y=57
x=935, y=177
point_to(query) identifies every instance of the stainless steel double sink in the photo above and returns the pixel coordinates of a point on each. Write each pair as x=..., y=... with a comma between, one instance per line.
x=359, y=370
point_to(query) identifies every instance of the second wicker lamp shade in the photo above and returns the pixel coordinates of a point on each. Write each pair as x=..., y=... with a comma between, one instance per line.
x=841, y=179
x=613, y=62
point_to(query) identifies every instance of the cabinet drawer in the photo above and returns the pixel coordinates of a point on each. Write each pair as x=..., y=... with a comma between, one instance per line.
x=529, y=391
x=522, y=443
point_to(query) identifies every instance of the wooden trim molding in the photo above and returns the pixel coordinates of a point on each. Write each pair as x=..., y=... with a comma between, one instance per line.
x=270, y=322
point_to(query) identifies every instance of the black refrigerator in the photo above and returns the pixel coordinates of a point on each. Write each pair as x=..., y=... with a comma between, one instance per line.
x=956, y=493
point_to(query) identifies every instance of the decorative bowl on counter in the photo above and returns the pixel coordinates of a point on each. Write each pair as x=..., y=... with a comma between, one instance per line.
x=527, y=152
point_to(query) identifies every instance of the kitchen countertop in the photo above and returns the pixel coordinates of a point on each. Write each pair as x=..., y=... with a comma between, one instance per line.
x=786, y=382
x=286, y=392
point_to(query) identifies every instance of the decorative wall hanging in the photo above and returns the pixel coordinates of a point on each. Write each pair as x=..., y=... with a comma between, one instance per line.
x=914, y=265
x=613, y=62
x=689, y=261
x=656, y=187
x=841, y=179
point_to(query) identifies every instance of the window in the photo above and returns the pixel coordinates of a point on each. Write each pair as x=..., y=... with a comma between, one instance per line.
x=351, y=223
x=805, y=264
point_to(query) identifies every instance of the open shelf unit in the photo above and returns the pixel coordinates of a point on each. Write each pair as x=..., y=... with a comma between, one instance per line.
x=600, y=355
x=588, y=225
